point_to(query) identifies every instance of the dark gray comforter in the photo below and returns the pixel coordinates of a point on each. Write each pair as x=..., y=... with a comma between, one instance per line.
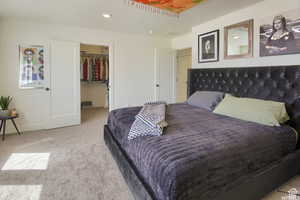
x=201, y=153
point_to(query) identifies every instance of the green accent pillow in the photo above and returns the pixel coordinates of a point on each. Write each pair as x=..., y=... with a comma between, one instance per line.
x=270, y=113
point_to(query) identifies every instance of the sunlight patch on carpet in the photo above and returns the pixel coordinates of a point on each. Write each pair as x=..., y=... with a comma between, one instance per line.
x=20, y=192
x=27, y=161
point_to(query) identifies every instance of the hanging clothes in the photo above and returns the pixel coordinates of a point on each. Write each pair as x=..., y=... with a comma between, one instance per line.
x=103, y=72
x=91, y=63
x=107, y=68
x=98, y=68
x=85, y=69
x=94, y=68
x=81, y=68
x=94, y=63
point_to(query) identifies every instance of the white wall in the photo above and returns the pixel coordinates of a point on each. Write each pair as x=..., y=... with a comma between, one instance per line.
x=95, y=92
x=133, y=63
x=258, y=12
x=183, y=42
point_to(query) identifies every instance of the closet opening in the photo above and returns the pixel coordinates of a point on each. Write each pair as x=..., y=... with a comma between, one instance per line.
x=94, y=81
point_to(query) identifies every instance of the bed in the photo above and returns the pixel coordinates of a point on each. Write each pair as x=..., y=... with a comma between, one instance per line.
x=203, y=155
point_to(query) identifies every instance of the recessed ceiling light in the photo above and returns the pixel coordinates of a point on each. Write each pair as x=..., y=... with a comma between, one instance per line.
x=236, y=37
x=106, y=15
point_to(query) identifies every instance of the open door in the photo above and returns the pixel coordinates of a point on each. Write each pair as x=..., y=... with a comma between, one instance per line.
x=183, y=64
x=165, y=75
x=65, y=84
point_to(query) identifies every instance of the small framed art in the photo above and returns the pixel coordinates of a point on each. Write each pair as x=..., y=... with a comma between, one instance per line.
x=208, y=47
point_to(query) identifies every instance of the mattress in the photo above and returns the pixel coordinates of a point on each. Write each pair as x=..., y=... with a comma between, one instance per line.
x=201, y=153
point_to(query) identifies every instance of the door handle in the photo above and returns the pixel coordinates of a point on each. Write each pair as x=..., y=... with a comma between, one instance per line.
x=157, y=85
x=47, y=89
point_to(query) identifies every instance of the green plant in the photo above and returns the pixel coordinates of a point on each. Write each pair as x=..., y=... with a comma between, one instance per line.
x=4, y=102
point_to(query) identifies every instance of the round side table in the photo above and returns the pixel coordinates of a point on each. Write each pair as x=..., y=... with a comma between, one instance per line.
x=3, y=124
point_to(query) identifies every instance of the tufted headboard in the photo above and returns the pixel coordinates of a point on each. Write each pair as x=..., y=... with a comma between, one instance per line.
x=270, y=83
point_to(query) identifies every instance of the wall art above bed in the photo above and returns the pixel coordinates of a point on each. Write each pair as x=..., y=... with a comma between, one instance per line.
x=238, y=40
x=280, y=34
x=208, y=47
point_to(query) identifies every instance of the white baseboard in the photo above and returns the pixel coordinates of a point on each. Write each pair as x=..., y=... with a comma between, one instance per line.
x=24, y=127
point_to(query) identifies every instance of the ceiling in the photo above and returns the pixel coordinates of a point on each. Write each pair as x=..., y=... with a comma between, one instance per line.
x=88, y=13
x=176, y=6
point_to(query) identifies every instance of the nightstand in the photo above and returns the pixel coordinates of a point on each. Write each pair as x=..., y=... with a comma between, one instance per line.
x=3, y=124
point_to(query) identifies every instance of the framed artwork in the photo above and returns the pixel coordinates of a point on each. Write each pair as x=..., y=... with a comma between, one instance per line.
x=280, y=35
x=31, y=66
x=208, y=47
x=238, y=40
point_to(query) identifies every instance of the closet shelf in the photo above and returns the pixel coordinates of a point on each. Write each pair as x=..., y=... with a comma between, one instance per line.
x=90, y=81
x=92, y=54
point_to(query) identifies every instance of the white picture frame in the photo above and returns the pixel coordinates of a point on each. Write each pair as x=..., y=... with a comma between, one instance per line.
x=31, y=66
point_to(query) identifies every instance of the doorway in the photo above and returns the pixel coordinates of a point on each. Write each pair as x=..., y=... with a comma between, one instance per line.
x=183, y=64
x=164, y=75
x=94, y=80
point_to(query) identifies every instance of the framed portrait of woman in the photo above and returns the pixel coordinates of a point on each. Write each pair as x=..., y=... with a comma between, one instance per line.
x=208, y=47
x=280, y=34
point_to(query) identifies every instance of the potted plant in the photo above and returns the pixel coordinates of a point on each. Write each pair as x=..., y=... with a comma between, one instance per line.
x=4, y=104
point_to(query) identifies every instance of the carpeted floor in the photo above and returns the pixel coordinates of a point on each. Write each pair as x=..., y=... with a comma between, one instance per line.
x=70, y=163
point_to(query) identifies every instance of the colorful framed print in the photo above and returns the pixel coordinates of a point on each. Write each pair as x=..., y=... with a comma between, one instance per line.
x=280, y=34
x=208, y=47
x=31, y=66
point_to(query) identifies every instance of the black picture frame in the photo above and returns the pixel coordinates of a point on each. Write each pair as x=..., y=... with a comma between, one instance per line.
x=209, y=47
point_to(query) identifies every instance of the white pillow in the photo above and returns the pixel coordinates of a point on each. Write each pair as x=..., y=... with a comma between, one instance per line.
x=270, y=113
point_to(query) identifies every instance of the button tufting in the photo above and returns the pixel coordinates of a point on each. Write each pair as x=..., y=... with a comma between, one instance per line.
x=272, y=83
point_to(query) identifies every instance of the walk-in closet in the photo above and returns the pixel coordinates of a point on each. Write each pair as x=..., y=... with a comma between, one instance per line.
x=94, y=70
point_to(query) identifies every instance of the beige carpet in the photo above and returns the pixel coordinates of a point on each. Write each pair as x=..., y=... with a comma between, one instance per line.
x=78, y=165
x=70, y=163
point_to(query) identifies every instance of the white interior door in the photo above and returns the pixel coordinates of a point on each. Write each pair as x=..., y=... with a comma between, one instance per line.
x=65, y=84
x=32, y=104
x=164, y=75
